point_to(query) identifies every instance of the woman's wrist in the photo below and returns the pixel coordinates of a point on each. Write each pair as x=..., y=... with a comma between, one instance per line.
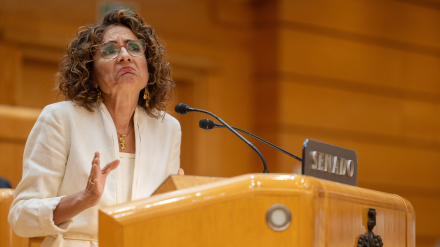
x=71, y=206
x=87, y=199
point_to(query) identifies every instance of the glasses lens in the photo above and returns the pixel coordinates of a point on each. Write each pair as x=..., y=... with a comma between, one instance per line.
x=136, y=47
x=109, y=50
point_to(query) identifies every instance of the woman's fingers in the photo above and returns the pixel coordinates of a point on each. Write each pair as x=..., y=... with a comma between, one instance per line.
x=180, y=172
x=93, y=162
x=94, y=157
x=110, y=167
x=96, y=171
x=91, y=174
x=98, y=160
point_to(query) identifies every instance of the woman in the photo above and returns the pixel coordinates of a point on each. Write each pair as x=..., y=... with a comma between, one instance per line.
x=109, y=143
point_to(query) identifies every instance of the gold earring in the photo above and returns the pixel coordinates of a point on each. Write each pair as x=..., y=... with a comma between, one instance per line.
x=99, y=99
x=146, y=96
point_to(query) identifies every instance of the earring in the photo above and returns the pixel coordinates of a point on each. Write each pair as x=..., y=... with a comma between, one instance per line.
x=99, y=99
x=146, y=96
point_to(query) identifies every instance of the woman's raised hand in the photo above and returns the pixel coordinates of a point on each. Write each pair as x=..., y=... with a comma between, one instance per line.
x=96, y=182
x=72, y=205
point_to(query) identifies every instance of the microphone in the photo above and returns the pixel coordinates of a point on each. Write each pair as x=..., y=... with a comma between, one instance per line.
x=208, y=124
x=184, y=109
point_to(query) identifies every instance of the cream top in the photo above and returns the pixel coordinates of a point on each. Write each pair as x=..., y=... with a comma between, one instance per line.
x=127, y=171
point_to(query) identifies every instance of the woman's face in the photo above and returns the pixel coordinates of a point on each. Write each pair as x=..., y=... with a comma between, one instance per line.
x=124, y=75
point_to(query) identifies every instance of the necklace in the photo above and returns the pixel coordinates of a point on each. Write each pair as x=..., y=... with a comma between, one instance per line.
x=122, y=140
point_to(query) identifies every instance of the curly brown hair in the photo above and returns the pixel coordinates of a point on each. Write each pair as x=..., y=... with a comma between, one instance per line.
x=75, y=80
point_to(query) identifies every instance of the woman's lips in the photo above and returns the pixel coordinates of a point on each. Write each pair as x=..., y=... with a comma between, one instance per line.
x=125, y=69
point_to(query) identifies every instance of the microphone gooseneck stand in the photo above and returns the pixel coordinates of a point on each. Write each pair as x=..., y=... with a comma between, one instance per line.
x=184, y=109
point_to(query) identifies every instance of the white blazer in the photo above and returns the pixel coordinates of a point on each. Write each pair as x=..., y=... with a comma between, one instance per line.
x=57, y=162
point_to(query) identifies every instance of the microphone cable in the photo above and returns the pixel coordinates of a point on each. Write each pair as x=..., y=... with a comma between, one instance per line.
x=208, y=124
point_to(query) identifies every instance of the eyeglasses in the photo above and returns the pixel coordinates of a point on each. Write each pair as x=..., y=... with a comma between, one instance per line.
x=111, y=50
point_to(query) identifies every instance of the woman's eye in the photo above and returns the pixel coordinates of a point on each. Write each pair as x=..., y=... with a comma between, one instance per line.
x=110, y=51
x=134, y=47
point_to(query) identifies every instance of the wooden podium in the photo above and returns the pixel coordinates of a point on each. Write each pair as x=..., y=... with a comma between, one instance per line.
x=252, y=209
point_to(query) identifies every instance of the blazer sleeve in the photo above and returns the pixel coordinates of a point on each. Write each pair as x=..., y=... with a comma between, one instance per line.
x=44, y=161
x=174, y=158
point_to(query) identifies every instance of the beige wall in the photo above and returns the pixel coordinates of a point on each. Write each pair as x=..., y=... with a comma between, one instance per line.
x=359, y=74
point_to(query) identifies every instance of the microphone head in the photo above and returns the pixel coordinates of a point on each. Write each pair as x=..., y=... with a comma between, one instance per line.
x=182, y=108
x=206, y=124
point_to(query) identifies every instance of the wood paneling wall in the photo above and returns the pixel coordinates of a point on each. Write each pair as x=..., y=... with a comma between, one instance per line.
x=363, y=75
x=359, y=74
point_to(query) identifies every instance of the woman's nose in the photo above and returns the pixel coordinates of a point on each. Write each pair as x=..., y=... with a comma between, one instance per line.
x=124, y=55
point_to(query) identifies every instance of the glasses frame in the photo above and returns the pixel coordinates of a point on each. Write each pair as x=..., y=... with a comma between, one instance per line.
x=125, y=46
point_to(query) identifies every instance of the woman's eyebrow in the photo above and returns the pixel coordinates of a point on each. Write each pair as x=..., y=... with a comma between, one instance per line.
x=114, y=41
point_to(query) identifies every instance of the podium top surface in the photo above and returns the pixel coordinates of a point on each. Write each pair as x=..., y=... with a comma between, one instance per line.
x=250, y=185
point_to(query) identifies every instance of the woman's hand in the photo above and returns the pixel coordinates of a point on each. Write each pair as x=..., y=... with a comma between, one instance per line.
x=180, y=172
x=72, y=205
x=96, y=182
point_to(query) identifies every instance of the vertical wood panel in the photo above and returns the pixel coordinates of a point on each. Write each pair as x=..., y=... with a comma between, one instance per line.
x=184, y=92
x=38, y=88
x=266, y=61
x=10, y=65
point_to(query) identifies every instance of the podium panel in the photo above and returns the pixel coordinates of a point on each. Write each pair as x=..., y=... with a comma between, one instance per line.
x=237, y=212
